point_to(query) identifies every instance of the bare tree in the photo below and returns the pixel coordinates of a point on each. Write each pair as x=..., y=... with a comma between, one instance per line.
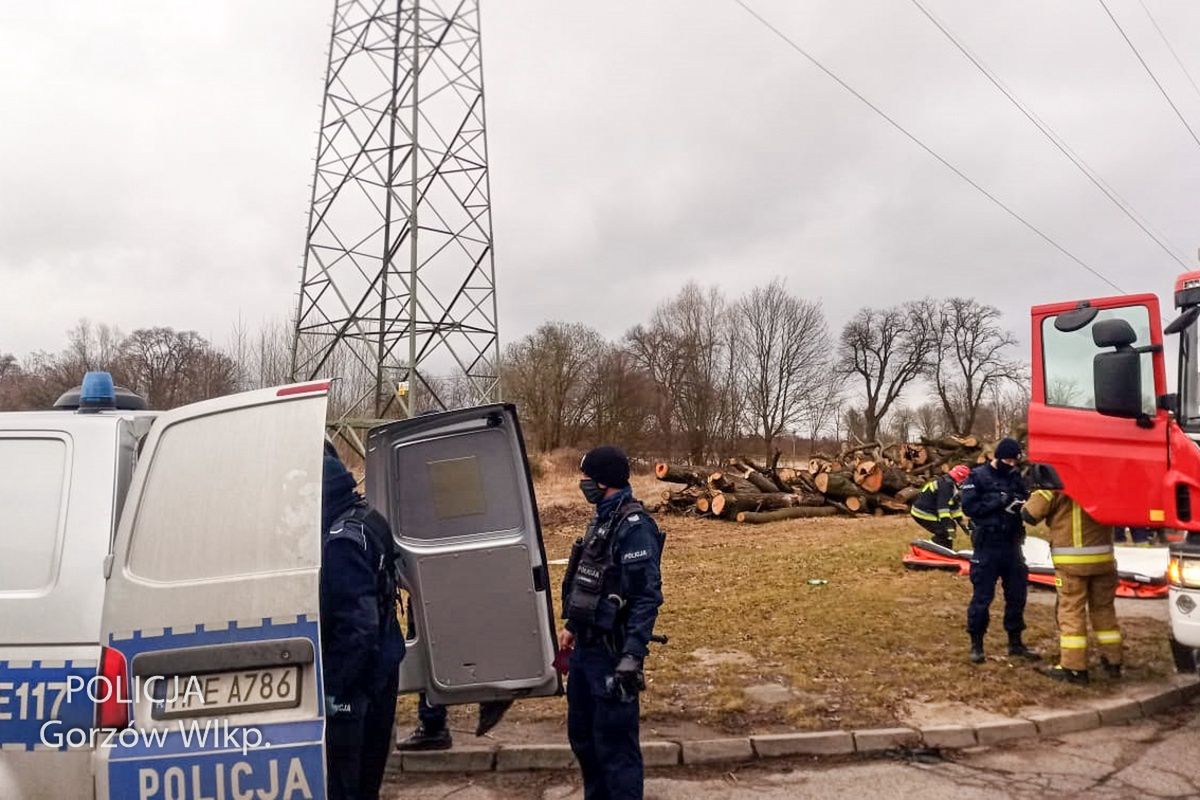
x=684, y=349
x=854, y=424
x=170, y=367
x=622, y=400
x=547, y=374
x=885, y=350
x=970, y=357
x=9, y=368
x=825, y=406
x=1010, y=403
x=929, y=420
x=784, y=363
x=901, y=424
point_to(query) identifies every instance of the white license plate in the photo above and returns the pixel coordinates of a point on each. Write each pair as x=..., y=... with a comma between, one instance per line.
x=228, y=692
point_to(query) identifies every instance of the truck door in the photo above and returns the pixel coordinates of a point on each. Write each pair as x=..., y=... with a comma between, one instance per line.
x=211, y=611
x=1114, y=466
x=456, y=490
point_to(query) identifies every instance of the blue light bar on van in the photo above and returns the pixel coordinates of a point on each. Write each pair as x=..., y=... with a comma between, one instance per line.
x=97, y=392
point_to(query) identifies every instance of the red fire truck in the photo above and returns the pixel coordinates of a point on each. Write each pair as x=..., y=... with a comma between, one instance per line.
x=1121, y=445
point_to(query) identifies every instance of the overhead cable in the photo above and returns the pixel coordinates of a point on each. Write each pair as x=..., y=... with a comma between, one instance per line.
x=1054, y=138
x=917, y=141
x=1150, y=72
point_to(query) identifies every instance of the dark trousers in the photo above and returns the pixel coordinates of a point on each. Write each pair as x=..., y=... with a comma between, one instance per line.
x=989, y=564
x=433, y=718
x=357, y=745
x=602, y=729
x=937, y=531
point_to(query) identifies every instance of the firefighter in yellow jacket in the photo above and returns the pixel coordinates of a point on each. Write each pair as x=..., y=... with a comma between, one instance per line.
x=1085, y=570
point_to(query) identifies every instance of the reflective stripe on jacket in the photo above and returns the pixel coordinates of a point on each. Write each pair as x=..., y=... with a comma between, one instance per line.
x=938, y=500
x=1078, y=544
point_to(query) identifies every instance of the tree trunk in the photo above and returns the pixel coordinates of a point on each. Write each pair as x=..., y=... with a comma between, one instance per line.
x=760, y=481
x=728, y=482
x=727, y=505
x=952, y=443
x=894, y=480
x=676, y=473
x=869, y=476
x=802, y=512
x=838, y=485
x=861, y=505
x=908, y=494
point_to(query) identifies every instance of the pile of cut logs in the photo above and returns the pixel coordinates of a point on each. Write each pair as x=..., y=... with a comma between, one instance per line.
x=865, y=479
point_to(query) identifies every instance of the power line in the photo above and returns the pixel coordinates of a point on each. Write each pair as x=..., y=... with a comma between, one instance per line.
x=1167, y=42
x=913, y=138
x=1053, y=137
x=1150, y=72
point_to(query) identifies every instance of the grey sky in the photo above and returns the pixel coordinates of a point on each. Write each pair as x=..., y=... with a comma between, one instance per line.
x=154, y=156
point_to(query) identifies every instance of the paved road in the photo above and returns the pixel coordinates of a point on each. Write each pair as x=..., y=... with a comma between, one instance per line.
x=1153, y=758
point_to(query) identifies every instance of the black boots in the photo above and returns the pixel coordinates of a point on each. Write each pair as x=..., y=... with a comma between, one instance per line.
x=1113, y=670
x=1018, y=649
x=1079, y=677
x=977, y=656
x=421, y=739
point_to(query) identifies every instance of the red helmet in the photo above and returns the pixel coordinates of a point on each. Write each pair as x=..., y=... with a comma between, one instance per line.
x=960, y=473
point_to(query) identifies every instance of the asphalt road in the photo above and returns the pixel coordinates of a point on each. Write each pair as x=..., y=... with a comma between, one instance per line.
x=1154, y=758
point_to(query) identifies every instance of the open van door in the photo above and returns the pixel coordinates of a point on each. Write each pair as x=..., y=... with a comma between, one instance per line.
x=456, y=490
x=210, y=623
x=1108, y=441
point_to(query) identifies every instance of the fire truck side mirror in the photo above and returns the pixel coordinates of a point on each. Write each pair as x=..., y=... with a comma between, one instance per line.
x=1117, y=374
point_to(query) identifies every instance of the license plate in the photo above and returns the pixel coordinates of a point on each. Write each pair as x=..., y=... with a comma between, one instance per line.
x=235, y=692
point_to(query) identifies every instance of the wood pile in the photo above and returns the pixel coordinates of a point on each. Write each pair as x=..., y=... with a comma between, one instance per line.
x=864, y=479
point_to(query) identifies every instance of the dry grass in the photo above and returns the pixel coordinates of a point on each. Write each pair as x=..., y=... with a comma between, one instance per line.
x=853, y=651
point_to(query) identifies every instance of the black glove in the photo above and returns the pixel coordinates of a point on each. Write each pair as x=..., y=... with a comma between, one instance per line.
x=627, y=679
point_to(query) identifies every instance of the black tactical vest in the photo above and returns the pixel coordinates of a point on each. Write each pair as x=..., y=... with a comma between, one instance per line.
x=591, y=587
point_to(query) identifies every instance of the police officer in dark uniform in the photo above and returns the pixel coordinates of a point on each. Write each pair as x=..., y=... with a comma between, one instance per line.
x=611, y=595
x=992, y=497
x=361, y=641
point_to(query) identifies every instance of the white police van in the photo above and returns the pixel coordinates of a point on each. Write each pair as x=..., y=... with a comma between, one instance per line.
x=158, y=588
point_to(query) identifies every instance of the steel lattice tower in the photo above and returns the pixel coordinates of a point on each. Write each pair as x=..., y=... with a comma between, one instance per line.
x=398, y=288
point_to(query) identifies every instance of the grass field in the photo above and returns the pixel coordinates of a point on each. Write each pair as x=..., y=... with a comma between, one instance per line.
x=856, y=651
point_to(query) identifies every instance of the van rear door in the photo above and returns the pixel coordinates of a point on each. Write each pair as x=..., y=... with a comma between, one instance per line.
x=211, y=611
x=457, y=492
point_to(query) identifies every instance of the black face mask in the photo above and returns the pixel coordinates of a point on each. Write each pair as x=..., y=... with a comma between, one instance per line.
x=592, y=491
x=1003, y=468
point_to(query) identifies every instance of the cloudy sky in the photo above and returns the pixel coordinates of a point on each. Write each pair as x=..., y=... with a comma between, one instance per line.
x=154, y=155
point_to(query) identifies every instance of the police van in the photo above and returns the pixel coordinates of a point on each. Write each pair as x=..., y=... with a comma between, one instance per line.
x=158, y=587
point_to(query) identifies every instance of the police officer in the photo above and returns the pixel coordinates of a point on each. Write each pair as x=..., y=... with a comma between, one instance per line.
x=992, y=497
x=361, y=641
x=1085, y=570
x=611, y=595
x=936, y=508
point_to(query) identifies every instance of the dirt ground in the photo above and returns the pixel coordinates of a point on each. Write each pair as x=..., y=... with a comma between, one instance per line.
x=755, y=648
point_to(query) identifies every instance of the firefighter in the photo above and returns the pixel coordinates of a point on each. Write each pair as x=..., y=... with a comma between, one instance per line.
x=1085, y=573
x=992, y=497
x=937, y=508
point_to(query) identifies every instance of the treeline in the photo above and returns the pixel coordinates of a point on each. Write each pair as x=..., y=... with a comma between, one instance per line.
x=707, y=377
x=166, y=366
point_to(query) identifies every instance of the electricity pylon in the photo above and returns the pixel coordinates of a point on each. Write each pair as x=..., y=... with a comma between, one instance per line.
x=398, y=289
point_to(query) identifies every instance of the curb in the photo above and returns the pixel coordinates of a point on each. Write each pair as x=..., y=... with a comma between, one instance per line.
x=1103, y=712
